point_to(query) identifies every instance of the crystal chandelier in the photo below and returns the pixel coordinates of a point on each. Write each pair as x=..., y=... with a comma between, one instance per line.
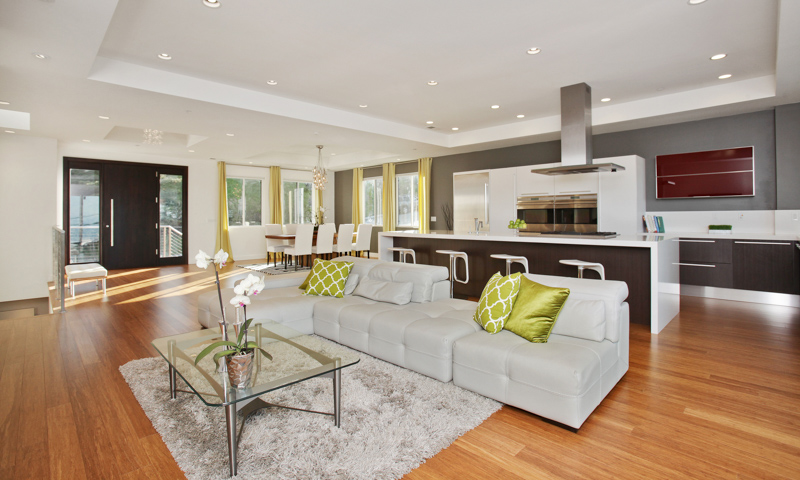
x=153, y=137
x=320, y=174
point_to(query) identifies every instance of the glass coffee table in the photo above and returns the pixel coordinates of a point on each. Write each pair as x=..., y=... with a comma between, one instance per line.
x=296, y=358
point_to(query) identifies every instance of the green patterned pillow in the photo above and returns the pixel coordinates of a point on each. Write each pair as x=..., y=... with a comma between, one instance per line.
x=496, y=301
x=328, y=278
x=536, y=310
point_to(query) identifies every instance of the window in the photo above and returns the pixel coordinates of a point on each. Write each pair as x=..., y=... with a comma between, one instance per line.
x=244, y=202
x=298, y=202
x=84, y=215
x=407, y=200
x=372, y=198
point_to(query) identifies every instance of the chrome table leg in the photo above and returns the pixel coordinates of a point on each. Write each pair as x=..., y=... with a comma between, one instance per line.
x=230, y=420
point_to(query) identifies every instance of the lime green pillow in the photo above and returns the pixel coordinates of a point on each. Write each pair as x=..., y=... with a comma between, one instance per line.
x=308, y=277
x=496, y=301
x=536, y=310
x=328, y=278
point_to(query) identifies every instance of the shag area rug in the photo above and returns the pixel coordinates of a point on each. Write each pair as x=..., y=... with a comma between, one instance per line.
x=268, y=269
x=393, y=419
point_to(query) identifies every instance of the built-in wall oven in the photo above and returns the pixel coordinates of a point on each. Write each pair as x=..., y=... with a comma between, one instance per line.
x=558, y=213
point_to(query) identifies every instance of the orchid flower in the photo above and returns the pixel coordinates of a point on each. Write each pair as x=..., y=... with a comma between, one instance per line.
x=221, y=257
x=202, y=259
x=256, y=287
x=240, y=300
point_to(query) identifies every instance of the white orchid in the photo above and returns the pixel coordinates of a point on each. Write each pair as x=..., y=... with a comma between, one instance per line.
x=240, y=300
x=221, y=257
x=256, y=287
x=202, y=259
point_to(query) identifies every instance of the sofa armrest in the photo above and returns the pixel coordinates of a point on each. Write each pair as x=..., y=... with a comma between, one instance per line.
x=280, y=281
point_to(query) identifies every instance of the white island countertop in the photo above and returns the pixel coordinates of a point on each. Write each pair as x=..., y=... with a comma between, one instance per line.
x=637, y=240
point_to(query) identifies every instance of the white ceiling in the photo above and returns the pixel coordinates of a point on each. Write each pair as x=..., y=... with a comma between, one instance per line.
x=650, y=57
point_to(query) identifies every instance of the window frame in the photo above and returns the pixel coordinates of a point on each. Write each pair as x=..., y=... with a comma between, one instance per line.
x=314, y=193
x=377, y=201
x=414, y=200
x=244, y=203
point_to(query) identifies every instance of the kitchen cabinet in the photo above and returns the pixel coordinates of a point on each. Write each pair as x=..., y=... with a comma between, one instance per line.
x=577, y=184
x=766, y=266
x=534, y=184
x=621, y=196
x=706, y=262
x=502, y=199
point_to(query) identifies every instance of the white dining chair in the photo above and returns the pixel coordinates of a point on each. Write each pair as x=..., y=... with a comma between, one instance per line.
x=289, y=229
x=303, y=240
x=274, y=246
x=363, y=239
x=344, y=241
x=325, y=235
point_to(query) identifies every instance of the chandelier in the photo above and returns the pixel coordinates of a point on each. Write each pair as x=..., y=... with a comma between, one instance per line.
x=320, y=174
x=153, y=137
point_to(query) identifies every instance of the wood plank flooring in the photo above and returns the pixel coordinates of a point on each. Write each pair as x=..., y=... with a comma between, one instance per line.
x=715, y=395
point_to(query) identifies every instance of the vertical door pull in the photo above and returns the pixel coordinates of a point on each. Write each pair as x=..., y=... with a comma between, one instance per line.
x=112, y=222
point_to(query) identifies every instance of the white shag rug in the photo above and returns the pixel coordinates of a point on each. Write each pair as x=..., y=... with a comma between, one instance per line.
x=393, y=419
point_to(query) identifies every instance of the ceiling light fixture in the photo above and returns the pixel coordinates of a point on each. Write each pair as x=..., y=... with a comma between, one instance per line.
x=271, y=82
x=212, y=3
x=229, y=134
x=165, y=56
x=495, y=107
x=87, y=141
x=520, y=116
x=363, y=105
x=534, y=51
x=320, y=175
x=191, y=151
x=40, y=56
x=723, y=77
x=4, y=103
x=696, y=2
x=10, y=131
x=103, y=117
x=454, y=129
x=605, y=99
x=433, y=83
x=429, y=122
x=719, y=56
x=153, y=137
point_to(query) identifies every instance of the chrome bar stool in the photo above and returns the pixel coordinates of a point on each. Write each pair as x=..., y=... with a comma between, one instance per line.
x=404, y=252
x=454, y=255
x=511, y=259
x=597, y=267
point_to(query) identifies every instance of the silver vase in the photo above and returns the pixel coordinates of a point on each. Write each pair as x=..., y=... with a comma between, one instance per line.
x=240, y=369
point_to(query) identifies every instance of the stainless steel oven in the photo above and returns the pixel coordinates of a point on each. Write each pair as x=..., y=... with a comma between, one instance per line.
x=538, y=213
x=575, y=213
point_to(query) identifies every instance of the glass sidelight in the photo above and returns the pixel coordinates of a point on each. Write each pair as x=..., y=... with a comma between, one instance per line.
x=170, y=209
x=84, y=215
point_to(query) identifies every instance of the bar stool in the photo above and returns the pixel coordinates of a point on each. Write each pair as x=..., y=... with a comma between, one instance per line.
x=511, y=259
x=403, y=253
x=597, y=267
x=453, y=256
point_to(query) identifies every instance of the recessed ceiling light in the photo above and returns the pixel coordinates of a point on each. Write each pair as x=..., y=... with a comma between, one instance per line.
x=520, y=116
x=534, y=51
x=103, y=117
x=271, y=82
x=87, y=141
x=723, y=77
x=4, y=103
x=164, y=56
x=40, y=56
x=719, y=56
x=433, y=83
x=212, y=3
x=229, y=134
x=333, y=154
x=495, y=107
x=605, y=99
x=429, y=122
x=250, y=163
x=191, y=151
x=696, y=2
x=363, y=105
x=10, y=131
x=454, y=128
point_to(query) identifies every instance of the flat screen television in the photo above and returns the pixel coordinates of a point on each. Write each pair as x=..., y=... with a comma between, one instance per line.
x=714, y=173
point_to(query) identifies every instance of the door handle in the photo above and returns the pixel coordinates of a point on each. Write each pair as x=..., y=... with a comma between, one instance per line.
x=762, y=243
x=112, y=222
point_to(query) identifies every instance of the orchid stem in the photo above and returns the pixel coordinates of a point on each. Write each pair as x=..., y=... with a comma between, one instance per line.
x=221, y=306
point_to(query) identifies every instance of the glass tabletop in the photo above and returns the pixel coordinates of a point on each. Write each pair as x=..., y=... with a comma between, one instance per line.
x=295, y=357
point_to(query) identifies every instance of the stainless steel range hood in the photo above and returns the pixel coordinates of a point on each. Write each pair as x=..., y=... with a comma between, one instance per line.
x=576, y=135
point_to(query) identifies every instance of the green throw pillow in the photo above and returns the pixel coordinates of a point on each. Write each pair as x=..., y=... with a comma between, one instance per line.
x=496, y=301
x=328, y=278
x=536, y=310
x=305, y=282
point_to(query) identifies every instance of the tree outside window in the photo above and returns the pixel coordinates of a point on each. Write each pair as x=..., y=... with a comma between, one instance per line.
x=244, y=202
x=372, y=195
x=407, y=200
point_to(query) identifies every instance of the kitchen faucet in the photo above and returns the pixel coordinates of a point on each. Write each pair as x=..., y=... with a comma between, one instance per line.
x=478, y=225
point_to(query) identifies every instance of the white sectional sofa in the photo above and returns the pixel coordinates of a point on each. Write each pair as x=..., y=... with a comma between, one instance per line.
x=563, y=380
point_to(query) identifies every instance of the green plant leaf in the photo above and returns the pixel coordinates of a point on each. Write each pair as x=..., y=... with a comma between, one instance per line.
x=223, y=353
x=254, y=346
x=211, y=347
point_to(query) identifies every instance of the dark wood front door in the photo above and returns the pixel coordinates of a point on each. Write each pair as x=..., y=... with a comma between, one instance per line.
x=130, y=216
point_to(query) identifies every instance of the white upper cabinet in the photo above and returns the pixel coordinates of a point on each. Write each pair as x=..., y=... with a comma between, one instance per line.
x=577, y=184
x=534, y=184
x=621, y=202
x=503, y=199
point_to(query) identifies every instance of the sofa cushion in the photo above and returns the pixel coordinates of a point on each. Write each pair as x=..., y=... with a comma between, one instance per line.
x=496, y=301
x=351, y=284
x=422, y=276
x=361, y=266
x=328, y=278
x=398, y=293
x=536, y=310
x=582, y=319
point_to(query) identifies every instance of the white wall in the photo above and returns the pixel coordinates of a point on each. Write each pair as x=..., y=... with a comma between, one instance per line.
x=28, y=210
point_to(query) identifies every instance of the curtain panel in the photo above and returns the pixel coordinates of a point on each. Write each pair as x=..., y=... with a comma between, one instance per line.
x=275, y=191
x=223, y=238
x=389, y=220
x=424, y=171
x=358, y=179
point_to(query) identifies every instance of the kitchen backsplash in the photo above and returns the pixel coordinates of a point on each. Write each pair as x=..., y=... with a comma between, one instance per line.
x=747, y=221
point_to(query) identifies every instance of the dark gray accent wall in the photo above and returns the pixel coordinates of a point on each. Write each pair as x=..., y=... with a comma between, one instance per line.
x=343, y=209
x=787, y=151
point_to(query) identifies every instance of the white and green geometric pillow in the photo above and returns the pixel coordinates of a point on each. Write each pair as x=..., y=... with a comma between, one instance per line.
x=328, y=278
x=496, y=301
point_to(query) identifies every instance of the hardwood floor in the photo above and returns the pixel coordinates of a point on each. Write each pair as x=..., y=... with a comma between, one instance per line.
x=715, y=395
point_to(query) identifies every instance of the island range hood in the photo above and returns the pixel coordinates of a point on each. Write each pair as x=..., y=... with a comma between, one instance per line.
x=576, y=135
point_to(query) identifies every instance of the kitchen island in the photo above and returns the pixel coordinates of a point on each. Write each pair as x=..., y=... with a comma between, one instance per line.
x=647, y=263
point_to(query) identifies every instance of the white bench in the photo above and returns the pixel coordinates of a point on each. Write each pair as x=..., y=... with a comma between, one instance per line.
x=85, y=271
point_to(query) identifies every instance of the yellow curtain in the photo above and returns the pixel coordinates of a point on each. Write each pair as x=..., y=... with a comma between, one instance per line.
x=389, y=221
x=358, y=179
x=223, y=239
x=318, y=206
x=424, y=167
x=275, y=190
